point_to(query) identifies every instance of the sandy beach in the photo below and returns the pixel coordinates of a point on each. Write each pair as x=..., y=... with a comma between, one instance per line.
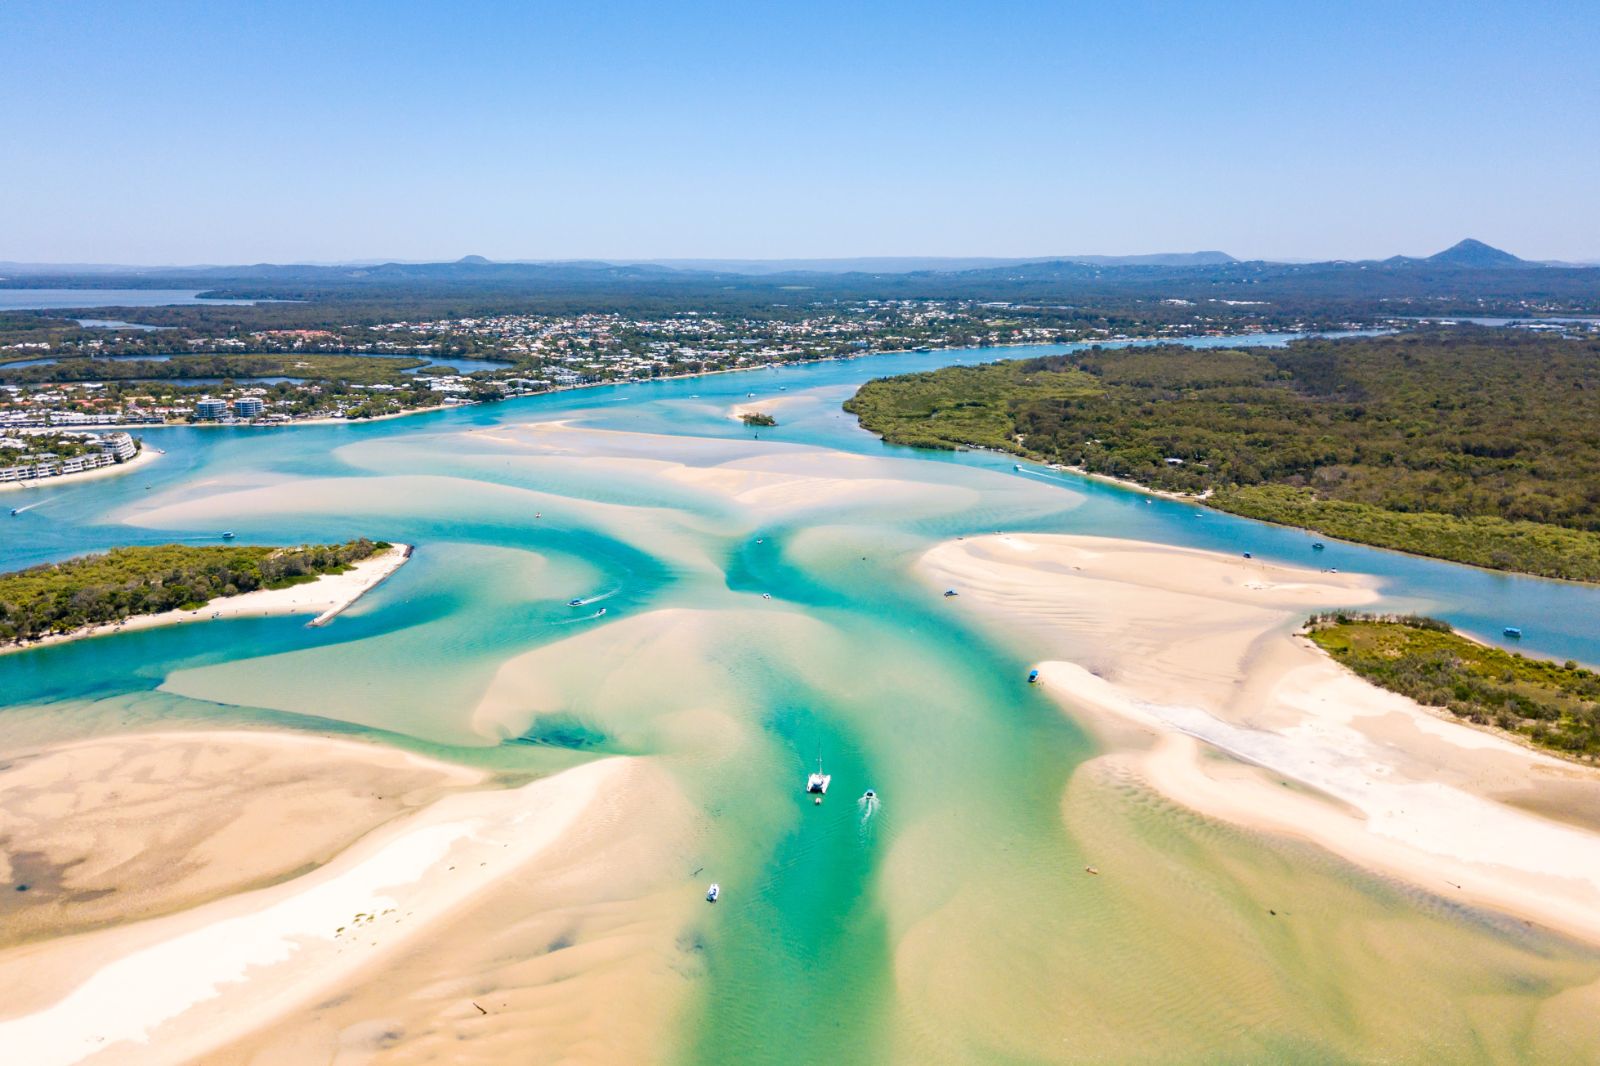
x=143, y=457
x=1186, y=665
x=174, y=987
x=326, y=597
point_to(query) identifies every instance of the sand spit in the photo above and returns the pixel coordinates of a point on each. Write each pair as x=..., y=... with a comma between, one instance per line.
x=326, y=597
x=173, y=988
x=1174, y=655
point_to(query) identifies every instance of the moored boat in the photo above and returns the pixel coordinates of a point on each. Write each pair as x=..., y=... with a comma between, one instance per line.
x=817, y=784
x=1514, y=632
x=1033, y=677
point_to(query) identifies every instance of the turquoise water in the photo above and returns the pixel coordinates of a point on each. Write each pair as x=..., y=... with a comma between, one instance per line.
x=941, y=928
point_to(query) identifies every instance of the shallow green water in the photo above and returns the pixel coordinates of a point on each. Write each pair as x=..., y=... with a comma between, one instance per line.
x=954, y=924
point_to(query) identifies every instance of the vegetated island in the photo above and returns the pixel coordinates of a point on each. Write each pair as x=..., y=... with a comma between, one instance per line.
x=757, y=418
x=1552, y=705
x=142, y=586
x=1476, y=446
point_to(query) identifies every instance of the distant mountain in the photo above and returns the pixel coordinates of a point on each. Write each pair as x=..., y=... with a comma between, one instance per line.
x=1471, y=253
x=906, y=264
x=1465, y=255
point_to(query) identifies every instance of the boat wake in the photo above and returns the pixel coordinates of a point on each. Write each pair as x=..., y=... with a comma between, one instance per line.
x=867, y=807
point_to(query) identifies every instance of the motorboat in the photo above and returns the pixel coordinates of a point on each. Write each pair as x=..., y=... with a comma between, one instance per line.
x=713, y=892
x=1514, y=632
x=950, y=592
x=869, y=794
x=1318, y=546
x=1247, y=555
x=227, y=534
x=16, y=510
x=1033, y=677
x=600, y=612
x=574, y=603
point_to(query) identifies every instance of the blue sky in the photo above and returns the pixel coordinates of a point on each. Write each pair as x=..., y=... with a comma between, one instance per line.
x=215, y=132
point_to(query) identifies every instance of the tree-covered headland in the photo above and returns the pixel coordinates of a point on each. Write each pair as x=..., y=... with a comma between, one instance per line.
x=123, y=582
x=1477, y=446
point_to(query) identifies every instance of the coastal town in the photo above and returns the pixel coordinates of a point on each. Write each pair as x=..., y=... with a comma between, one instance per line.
x=28, y=457
x=127, y=376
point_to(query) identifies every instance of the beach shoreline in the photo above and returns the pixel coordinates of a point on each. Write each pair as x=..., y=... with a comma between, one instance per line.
x=325, y=598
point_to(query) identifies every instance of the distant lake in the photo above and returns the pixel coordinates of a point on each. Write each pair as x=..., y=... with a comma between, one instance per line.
x=47, y=299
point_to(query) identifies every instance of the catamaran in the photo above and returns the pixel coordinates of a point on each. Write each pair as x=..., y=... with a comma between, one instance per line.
x=817, y=783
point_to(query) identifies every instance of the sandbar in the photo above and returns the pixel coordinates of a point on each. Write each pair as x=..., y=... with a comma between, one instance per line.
x=1186, y=664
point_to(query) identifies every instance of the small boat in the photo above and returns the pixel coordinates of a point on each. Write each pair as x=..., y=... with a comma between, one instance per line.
x=1514, y=632
x=574, y=603
x=600, y=612
x=227, y=534
x=1247, y=555
x=1033, y=677
x=713, y=892
x=1318, y=546
x=766, y=595
x=950, y=592
x=869, y=794
x=16, y=510
x=1016, y=467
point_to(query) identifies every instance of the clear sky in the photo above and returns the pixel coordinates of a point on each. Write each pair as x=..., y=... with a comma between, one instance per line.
x=156, y=132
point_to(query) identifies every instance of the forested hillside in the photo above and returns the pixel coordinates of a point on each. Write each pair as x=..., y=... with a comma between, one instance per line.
x=1477, y=445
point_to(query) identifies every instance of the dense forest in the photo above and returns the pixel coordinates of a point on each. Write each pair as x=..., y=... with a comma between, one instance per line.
x=1475, y=445
x=95, y=589
x=1554, y=705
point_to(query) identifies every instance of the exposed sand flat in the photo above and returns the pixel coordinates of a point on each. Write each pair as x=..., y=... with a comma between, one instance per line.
x=172, y=988
x=326, y=597
x=699, y=473
x=1193, y=650
x=586, y=954
x=771, y=405
x=119, y=829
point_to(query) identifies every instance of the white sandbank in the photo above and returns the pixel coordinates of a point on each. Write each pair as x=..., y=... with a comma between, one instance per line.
x=326, y=597
x=172, y=988
x=1174, y=655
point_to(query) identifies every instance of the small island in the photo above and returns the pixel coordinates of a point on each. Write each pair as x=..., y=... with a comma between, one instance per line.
x=757, y=418
x=1550, y=705
x=138, y=587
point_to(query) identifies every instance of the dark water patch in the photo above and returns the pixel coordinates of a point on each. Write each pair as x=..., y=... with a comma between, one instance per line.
x=565, y=731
